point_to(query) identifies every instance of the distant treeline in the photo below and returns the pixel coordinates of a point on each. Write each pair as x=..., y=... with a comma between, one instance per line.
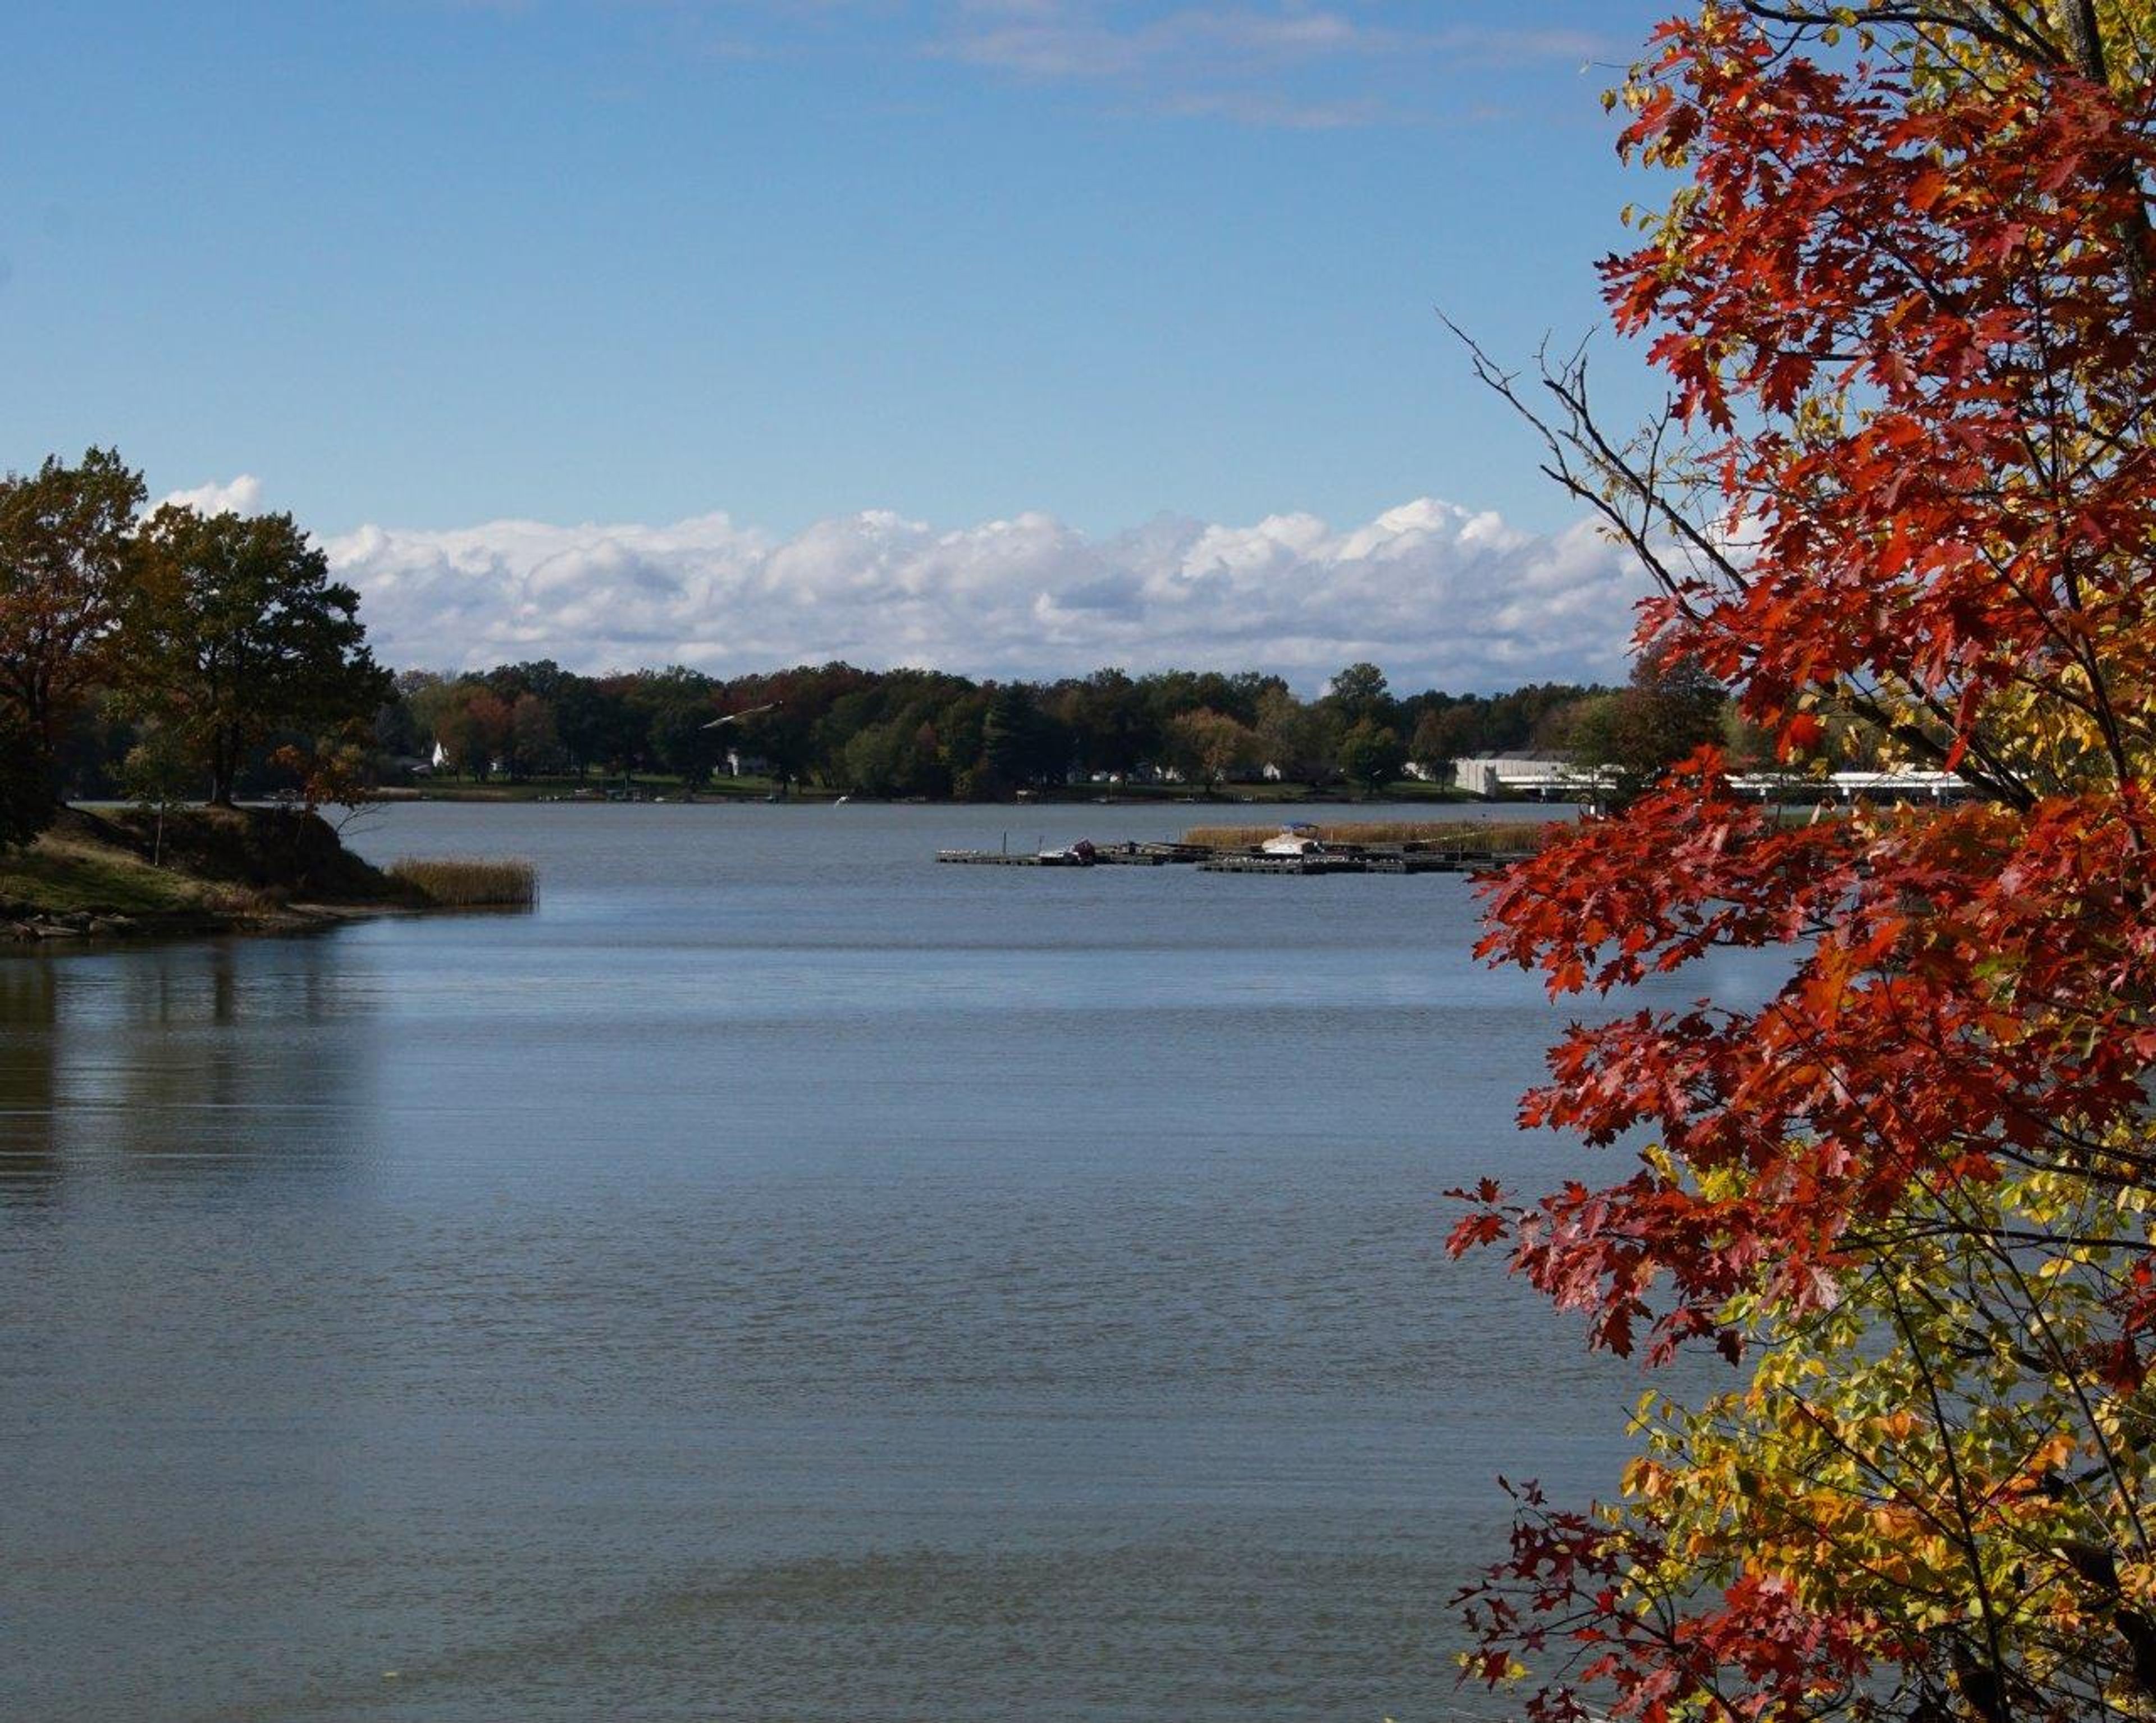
x=928, y=733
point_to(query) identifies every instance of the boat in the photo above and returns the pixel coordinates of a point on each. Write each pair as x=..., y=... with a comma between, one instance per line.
x=1299, y=838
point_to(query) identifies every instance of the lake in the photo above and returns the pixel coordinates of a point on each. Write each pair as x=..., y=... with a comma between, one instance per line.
x=780, y=1278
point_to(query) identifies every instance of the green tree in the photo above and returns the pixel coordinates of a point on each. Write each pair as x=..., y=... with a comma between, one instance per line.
x=1442, y=736
x=156, y=777
x=1303, y=741
x=683, y=742
x=874, y=761
x=1359, y=695
x=1628, y=738
x=1019, y=743
x=1372, y=755
x=234, y=629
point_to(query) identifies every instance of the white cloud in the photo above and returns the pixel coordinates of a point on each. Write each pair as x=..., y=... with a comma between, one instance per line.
x=1248, y=62
x=1438, y=594
x=239, y=496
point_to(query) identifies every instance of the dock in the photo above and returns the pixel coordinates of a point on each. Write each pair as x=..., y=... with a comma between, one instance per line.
x=1345, y=859
x=1007, y=859
x=1150, y=855
x=1242, y=861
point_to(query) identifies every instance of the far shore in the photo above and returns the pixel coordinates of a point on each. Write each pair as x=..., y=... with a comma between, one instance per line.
x=602, y=790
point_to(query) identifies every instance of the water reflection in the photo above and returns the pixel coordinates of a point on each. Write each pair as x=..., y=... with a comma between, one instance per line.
x=224, y=1059
x=30, y=1014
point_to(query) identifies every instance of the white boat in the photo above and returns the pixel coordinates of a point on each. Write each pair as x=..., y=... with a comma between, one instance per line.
x=1299, y=838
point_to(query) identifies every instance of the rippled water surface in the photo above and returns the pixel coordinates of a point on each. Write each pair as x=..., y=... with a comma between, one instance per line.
x=779, y=1279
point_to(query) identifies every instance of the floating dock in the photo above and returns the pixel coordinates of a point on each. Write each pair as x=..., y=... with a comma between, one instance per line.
x=1244, y=861
x=1347, y=859
x=1009, y=858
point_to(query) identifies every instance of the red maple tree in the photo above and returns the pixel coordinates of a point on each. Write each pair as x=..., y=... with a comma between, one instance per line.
x=1906, y=299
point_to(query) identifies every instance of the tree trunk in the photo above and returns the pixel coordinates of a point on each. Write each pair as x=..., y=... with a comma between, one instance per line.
x=223, y=767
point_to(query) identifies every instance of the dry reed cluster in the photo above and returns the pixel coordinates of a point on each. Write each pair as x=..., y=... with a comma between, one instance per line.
x=464, y=882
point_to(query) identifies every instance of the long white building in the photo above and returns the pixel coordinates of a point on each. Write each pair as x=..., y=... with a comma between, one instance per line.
x=1546, y=777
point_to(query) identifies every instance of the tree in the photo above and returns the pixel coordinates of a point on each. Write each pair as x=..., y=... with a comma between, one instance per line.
x=1019, y=743
x=339, y=771
x=156, y=776
x=1302, y=740
x=1108, y=719
x=64, y=532
x=1626, y=740
x=1359, y=695
x=482, y=726
x=1442, y=734
x=234, y=629
x=442, y=716
x=1210, y=746
x=534, y=744
x=1372, y=756
x=1907, y=300
x=683, y=742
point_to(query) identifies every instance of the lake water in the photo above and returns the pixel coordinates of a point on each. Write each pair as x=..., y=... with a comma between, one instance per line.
x=779, y=1279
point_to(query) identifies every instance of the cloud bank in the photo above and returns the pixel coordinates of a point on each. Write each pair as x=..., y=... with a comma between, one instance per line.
x=1438, y=595
x=239, y=496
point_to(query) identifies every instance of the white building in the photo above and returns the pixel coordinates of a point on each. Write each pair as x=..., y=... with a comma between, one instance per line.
x=1522, y=777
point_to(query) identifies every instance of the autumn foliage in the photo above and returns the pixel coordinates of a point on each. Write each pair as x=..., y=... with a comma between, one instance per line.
x=1906, y=299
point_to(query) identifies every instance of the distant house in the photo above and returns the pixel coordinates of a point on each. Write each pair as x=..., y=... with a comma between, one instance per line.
x=742, y=764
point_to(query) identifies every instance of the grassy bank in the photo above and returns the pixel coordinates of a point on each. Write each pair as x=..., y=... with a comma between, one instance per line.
x=121, y=872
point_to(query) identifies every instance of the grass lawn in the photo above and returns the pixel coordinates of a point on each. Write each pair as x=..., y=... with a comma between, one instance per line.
x=59, y=875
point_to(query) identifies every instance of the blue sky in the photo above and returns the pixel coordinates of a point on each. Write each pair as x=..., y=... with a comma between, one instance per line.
x=415, y=266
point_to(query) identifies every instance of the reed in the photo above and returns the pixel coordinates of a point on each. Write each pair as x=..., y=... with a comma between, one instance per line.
x=464, y=882
x=1434, y=834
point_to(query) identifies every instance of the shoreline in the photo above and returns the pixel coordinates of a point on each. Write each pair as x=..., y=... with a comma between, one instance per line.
x=111, y=877
x=71, y=930
x=569, y=793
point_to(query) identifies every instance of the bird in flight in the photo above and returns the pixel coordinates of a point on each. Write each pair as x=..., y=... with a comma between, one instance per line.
x=736, y=717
